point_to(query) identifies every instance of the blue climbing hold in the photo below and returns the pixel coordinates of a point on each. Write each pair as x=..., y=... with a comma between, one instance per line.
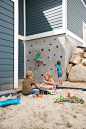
x=41, y=74
x=29, y=52
x=38, y=65
x=57, y=46
x=48, y=57
x=60, y=56
x=42, y=49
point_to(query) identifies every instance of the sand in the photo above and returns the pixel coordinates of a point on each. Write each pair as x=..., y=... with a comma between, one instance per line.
x=43, y=113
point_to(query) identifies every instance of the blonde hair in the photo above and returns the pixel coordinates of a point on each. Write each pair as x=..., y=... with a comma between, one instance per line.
x=29, y=73
x=47, y=73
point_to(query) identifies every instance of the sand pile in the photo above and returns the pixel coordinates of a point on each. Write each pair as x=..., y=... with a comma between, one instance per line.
x=43, y=113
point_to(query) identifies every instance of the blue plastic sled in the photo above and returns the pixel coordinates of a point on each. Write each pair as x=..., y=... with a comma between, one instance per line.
x=9, y=102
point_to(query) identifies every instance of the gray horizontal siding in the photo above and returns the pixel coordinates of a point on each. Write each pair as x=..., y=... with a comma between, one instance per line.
x=76, y=15
x=21, y=17
x=43, y=16
x=21, y=60
x=6, y=44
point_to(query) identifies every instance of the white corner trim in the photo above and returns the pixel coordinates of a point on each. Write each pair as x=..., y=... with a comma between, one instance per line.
x=24, y=60
x=64, y=7
x=83, y=3
x=45, y=34
x=24, y=1
x=16, y=44
x=74, y=36
x=84, y=34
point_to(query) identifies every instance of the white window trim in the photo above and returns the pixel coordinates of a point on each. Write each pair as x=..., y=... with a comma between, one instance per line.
x=15, y=43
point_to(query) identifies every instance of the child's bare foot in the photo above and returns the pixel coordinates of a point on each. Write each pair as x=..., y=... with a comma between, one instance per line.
x=35, y=96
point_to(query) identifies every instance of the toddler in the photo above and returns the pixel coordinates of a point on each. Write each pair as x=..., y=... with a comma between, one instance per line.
x=49, y=80
x=28, y=85
x=59, y=71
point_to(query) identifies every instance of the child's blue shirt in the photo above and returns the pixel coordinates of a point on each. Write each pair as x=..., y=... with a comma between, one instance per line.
x=59, y=68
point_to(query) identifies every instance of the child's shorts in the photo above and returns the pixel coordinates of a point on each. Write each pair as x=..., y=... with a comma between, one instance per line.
x=59, y=74
x=34, y=92
x=39, y=60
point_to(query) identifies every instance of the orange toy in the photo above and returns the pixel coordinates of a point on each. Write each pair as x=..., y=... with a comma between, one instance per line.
x=39, y=96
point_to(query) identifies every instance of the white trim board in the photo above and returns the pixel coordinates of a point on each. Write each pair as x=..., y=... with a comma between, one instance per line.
x=74, y=36
x=15, y=43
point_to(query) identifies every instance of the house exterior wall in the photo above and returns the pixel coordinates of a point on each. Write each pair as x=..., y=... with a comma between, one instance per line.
x=76, y=15
x=21, y=60
x=21, y=17
x=6, y=44
x=43, y=16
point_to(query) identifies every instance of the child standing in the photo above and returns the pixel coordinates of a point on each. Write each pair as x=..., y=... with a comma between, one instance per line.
x=59, y=71
x=28, y=83
x=49, y=80
x=38, y=59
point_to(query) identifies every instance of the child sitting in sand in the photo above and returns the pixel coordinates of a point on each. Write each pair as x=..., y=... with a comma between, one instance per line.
x=38, y=59
x=59, y=71
x=28, y=85
x=49, y=80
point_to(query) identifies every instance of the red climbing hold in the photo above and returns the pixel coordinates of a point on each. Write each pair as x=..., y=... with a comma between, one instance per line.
x=35, y=50
x=36, y=41
x=51, y=68
x=54, y=39
x=31, y=45
x=49, y=50
x=54, y=54
x=50, y=44
x=44, y=64
x=44, y=40
x=30, y=67
x=34, y=59
x=34, y=69
x=28, y=60
x=51, y=75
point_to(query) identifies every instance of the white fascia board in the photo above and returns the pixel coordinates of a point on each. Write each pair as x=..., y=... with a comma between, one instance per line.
x=45, y=34
x=74, y=36
x=15, y=43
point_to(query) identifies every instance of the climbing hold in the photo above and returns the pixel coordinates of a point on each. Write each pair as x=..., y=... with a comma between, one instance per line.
x=55, y=64
x=41, y=74
x=49, y=50
x=30, y=67
x=54, y=54
x=29, y=52
x=44, y=40
x=50, y=44
x=60, y=56
x=38, y=65
x=42, y=49
x=35, y=50
x=54, y=39
x=57, y=46
x=36, y=41
x=34, y=69
x=51, y=68
x=28, y=60
x=51, y=75
x=34, y=59
x=48, y=57
x=44, y=64
x=31, y=45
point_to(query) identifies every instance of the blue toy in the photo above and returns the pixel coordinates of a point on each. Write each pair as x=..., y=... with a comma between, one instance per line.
x=9, y=102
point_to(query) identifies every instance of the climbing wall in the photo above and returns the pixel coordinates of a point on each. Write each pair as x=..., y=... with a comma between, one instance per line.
x=53, y=49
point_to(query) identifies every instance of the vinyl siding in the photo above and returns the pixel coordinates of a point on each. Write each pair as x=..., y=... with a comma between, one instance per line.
x=21, y=17
x=76, y=15
x=21, y=60
x=43, y=16
x=6, y=44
